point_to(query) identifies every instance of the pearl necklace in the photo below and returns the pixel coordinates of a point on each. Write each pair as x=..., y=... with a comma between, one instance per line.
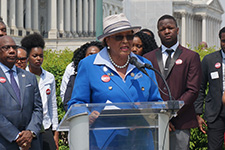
x=117, y=66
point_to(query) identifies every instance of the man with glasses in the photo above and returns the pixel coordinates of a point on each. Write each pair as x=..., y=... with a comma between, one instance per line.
x=20, y=102
x=21, y=61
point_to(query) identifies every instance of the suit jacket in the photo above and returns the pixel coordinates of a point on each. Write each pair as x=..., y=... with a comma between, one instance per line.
x=15, y=117
x=213, y=76
x=183, y=78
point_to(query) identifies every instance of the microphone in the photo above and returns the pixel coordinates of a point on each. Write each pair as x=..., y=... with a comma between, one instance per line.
x=172, y=104
x=140, y=66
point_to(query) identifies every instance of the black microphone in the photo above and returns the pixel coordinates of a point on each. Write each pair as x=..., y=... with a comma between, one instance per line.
x=140, y=66
x=172, y=104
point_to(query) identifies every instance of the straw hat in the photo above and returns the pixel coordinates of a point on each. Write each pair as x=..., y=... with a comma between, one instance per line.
x=115, y=24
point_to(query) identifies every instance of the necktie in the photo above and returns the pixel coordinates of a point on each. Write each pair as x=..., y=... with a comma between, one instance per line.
x=168, y=60
x=14, y=85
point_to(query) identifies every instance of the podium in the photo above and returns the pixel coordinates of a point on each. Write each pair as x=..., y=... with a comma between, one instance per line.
x=106, y=126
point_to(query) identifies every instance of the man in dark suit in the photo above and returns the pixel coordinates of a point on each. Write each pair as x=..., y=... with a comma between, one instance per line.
x=213, y=68
x=20, y=102
x=181, y=68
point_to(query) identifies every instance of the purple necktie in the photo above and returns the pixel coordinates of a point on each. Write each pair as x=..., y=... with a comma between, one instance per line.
x=14, y=85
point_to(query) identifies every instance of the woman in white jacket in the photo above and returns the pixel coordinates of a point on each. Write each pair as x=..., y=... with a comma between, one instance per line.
x=34, y=43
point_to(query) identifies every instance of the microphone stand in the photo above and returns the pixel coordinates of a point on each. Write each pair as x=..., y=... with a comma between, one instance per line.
x=172, y=104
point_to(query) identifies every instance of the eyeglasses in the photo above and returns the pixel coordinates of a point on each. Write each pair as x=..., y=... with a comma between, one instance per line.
x=22, y=59
x=120, y=37
x=7, y=47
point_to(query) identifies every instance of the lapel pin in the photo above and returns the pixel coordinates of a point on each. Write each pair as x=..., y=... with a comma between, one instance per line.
x=179, y=62
x=105, y=69
x=105, y=78
x=217, y=65
x=132, y=74
x=2, y=80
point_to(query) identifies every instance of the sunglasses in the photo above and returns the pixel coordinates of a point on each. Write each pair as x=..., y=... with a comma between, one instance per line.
x=120, y=37
x=22, y=59
x=7, y=47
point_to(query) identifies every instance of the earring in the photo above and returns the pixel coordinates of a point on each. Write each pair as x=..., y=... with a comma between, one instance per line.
x=108, y=47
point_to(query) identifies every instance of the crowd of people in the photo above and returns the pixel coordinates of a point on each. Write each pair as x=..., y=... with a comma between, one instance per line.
x=101, y=72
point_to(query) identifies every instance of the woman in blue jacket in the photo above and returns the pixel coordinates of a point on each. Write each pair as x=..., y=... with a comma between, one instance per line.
x=108, y=77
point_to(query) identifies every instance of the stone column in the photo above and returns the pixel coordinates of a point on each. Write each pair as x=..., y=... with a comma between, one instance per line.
x=4, y=14
x=67, y=18
x=20, y=20
x=61, y=18
x=12, y=18
x=204, y=27
x=35, y=18
x=79, y=15
x=52, y=33
x=28, y=17
x=73, y=17
x=183, y=31
x=85, y=18
x=92, y=17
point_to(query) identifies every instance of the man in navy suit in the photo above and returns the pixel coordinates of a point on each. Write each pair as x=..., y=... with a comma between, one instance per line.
x=213, y=68
x=181, y=68
x=20, y=102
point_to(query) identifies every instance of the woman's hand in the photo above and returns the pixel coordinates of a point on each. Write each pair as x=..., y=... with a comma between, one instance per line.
x=93, y=116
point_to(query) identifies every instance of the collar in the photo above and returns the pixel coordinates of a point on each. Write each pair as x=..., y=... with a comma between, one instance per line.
x=102, y=58
x=223, y=54
x=43, y=71
x=5, y=69
x=174, y=47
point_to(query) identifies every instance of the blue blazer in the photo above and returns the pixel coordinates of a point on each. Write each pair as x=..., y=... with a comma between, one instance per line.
x=15, y=117
x=91, y=87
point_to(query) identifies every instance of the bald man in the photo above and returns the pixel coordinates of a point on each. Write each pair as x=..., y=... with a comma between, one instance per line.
x=20, y=102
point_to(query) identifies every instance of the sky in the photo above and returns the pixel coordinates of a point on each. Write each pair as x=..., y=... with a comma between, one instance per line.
x=223, y=16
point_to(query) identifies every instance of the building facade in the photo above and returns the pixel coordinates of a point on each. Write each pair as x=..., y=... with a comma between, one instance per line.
x=70, y=23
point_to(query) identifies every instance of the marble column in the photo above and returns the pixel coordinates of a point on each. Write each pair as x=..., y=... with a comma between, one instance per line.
x=35, y=18
x=67, y=18
x=204, y=27
x=73, y=18
x=183, y=29
x=79, y=15
x=85, y=17
x=12, y=18
x=61, y=18
x=52, y=33
x=20, y=19
x=28, y=17
x=92, y=17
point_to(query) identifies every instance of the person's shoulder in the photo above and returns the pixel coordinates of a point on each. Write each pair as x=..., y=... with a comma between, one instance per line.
x=151, y=53
x=143, y=59
x=89, y=60
x=48, y=74
x=213, y=54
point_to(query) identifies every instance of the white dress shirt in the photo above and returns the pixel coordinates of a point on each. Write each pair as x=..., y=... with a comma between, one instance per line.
x=165, y=54
x=48, y=95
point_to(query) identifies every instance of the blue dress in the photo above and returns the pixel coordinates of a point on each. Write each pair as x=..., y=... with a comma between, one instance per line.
x=97, y=81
